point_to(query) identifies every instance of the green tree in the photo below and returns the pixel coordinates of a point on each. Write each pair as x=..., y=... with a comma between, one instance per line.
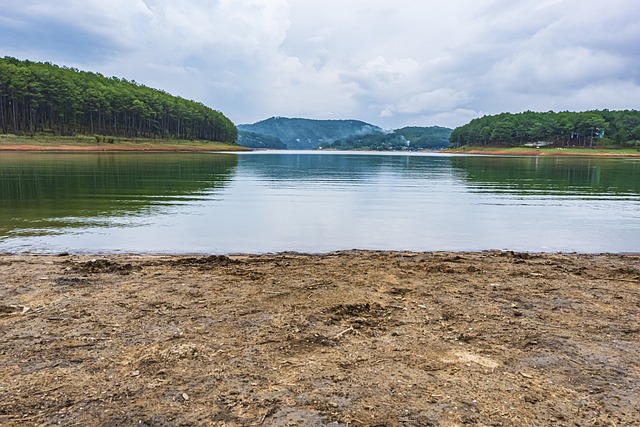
x=46, y=98
x=565, y=128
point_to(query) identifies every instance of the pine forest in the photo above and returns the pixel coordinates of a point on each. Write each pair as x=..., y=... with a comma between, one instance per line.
x=42, y=98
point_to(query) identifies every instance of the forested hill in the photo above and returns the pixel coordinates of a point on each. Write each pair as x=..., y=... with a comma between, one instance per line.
x=257, y=140
x=408, y=138
x=307, y=134
x=588, y=128
x=44, y=98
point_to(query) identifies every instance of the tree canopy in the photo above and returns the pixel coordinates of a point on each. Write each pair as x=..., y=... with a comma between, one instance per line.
x=44, y=98
x=588, y=128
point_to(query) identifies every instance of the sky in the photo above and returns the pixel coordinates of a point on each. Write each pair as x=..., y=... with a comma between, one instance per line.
x=390, y=63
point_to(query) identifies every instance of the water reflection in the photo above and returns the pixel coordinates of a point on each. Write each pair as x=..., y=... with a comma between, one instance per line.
x=353, y=168
x=44, y=190
x=316, y=202
x=573, y=176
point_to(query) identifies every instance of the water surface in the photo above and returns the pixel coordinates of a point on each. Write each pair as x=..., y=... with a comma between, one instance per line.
x=315, y=202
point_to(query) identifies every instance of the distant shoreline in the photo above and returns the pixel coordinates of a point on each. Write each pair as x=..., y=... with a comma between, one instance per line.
x=557, y=152
x=88, y=144
x=117, y=148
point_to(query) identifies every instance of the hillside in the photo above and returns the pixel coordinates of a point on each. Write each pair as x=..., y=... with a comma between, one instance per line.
x=408, y=138
x=42, y=98
x=257, y=140
x=563, y=129
x=306, y=134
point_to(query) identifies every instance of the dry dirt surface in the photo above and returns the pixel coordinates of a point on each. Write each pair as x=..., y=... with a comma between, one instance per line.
x=351, y=338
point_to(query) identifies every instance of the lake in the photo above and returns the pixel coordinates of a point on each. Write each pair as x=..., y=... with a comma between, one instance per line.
x=315, y=202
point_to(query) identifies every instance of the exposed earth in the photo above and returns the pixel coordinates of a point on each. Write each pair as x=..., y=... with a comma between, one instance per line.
x=352, y=338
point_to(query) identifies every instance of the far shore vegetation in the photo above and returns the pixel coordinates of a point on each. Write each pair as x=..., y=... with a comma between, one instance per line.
x=109, y=143
x=598, y=128
x=48, y=107
x=45, y=99
x=586, y=133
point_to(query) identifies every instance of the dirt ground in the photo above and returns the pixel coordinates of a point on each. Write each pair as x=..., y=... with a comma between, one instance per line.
x=351, y=338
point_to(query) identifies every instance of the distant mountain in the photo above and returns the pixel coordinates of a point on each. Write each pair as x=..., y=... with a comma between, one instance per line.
x=408, y=138
x=257, y=140
x=307, y=134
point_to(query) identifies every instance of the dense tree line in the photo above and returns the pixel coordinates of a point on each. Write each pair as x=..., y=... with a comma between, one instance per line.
x=585, y=129
x=44, y=98
x=408, y=138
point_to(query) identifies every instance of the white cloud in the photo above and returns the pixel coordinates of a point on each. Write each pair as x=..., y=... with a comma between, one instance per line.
x=560, y=70
x=450, y=118
x=381, y=74
x=390, y=63
x=432, y=101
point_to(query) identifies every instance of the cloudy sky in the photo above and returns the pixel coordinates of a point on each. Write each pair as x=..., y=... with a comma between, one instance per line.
x=390, y=63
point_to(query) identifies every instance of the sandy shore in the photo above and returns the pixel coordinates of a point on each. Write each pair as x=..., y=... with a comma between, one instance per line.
x=349, y=338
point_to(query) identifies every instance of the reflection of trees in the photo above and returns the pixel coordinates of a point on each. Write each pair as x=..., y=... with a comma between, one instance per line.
x=553, y=174
x=35, y=185
x=340, y=166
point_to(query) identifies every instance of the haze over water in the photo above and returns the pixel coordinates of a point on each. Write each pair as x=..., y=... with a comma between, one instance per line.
x=316, y=202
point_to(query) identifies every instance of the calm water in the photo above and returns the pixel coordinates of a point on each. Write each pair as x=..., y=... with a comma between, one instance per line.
x=315, y=202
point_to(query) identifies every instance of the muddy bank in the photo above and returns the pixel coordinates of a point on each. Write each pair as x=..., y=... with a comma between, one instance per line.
x=349, y=338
